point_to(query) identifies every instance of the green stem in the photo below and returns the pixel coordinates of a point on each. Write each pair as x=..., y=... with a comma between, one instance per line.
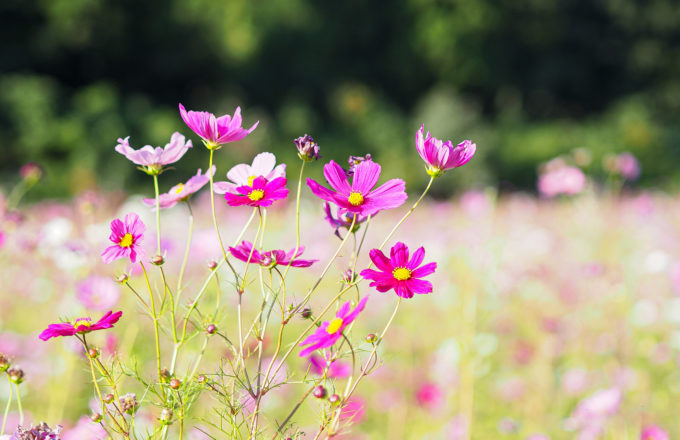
x=9, y=402
x=212, y=205
x=21, y=410
x=297, y=218
x=158, y=214
x=186, y=251
x=155, y=328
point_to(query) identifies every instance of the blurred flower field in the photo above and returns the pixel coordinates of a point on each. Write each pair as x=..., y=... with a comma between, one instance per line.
x=550, y=319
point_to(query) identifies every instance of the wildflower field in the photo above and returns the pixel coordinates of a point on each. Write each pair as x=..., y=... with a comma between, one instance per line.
x=253, y=302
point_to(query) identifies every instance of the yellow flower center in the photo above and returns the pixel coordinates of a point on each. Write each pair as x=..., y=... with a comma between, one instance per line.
x=82, y=322
x=179, y=188
x=401, y=274
x=251, y=179
x=126, y=241
x=256, y=194
x=355, y=198
x=334, y=326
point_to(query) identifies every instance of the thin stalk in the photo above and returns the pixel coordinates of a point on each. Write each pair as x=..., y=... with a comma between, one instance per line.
x=21, y=410
x=155, y=328
x=297, y=218
x=212, y=206
x=186, y=251
x=9, y=402
x=158, y=215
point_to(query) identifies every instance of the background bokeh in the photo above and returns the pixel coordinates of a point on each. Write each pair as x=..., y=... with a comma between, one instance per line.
x=526, y=79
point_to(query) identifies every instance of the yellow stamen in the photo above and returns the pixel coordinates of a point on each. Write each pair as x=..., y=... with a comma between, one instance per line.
x=334, y=326
x=401, y=274
x=256, y=194
x=82, y=322
x=355, y=198
x=251, y=179
x=179, y=188
x=126, y=241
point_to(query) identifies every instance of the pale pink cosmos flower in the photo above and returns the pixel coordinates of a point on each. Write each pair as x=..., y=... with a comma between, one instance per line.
x=592, y=413
x=627, y=166
x=152, y=160
x=441, y=156
x=337, y=369
x=264, y=165
x=127, y=237
x=181, y=191
x=654, y=432
x=98, y=293
x=85, y=429
x=567, y=180
x=216, y=131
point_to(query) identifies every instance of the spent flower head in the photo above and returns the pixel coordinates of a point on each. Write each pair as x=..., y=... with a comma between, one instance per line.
x=40, y=431
x=308, y=150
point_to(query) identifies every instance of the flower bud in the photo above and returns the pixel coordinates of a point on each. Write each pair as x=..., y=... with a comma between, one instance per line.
x=334, y=399
x=349, y=276
x=108, y=398
x=371, y=338
x=93, y=353
x=16, y=375
x=4, y=363
x=165, y=416
x=175, y=383
x=123, y=278
x=128, y=403
x=158, y=260
x=319, y=392
x=306, y=313
x=211, y=329
x=96, y=417
x=201, y=379
x=308, y=150
x=165, y=375
x=212, y=265
x=31, y=172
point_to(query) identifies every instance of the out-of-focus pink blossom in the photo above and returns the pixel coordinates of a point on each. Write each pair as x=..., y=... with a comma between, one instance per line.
x=98, y=293
x=354, y=410
x=654, y=432
x=430, y=396
x=575, y=381
x=628, y=166
x=84, y=429
x=565, y=179
x=457, y=428
x=337, y=369
x=592, y=413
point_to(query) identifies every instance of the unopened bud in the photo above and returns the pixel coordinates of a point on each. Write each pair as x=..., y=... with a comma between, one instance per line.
x=4, y=363
x=334, y=399
x=123, y=278
x=211, y=329
x=308, y=150
x=93, y=353
x=108, y=398
x=371, y=338
x=165, y=416
x=201, y=379
x=31, y=172
x=349, y=276
x=212, y=265
x=96, y=417
x=175, y=384
x=319, y=392
x=16, y=375
x=306, y=313
x=128, y=403
x=165, y=375
x=158, y=260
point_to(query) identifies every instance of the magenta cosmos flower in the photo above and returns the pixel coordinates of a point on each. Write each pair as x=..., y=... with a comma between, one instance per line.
x=400, y=273
x=151, y=160
x=213, y=130
x=80, y=326
x=181, y=191
x=126, y=236
x=270, y=258
x=243, y=174
x=359, y=197
x=653, y=432
x=329, y=332
x=441, y=156
x=261, y=193
x=336, y=369
x=342, y=219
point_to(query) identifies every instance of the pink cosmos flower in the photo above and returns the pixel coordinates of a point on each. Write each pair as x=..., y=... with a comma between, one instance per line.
x=400, y=273
x=441, y=156
x=329, y=332
x=261, y=193
x=564, y=179
x=342, y=219
x=85, y=429
x=359, y=197
x=593, y=412
x=181, y=191
x=127, y=238
x=98, y=293
x=354, y=410
x=80, y=326
x=243, y=174
x=216, y=131
x=151, y=160
x=627, y=166
x=270, y=258
x=653, y=432
x=430, y=396
x=337, y=369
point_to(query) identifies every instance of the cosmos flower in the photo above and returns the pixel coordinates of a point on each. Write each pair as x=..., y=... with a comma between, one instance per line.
x=441, y=156
x=151, y=160
x=98, y=293
x=353, y=161
x=181, y=191
x=653, y=432
x=353, y=410
x=400, y=273
x=627, y=166
x=430, y=396
x=308, y=150
x=127, y=237
x=40, y=431
x=80, y=326
x=559, y=178
x=243, y=174
x=261, y=193
x=329, y=332
x=216, y=131
x=337, y=369
x=341, y=219
x=359, y=197
x=269, y=258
